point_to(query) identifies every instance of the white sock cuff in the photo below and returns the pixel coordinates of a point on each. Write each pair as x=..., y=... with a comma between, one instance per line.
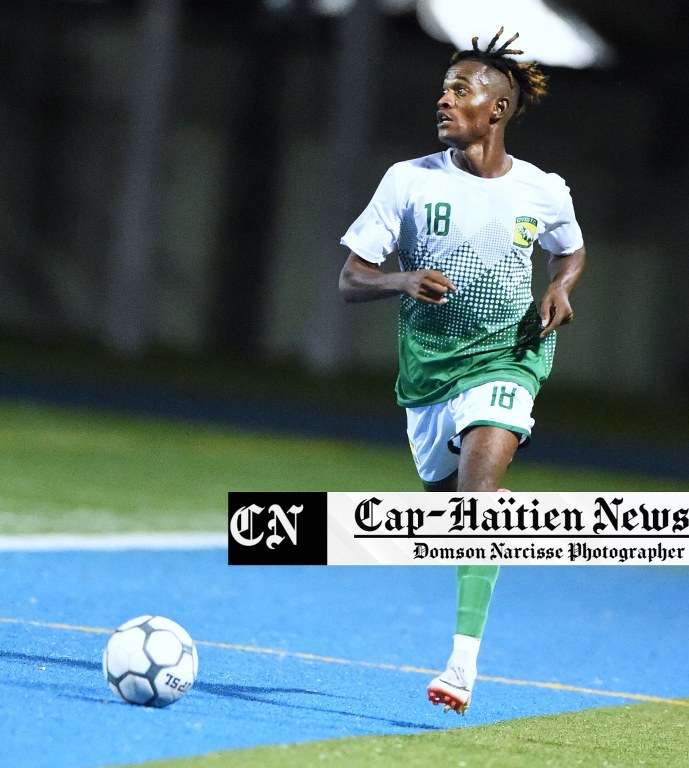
x=466, y=644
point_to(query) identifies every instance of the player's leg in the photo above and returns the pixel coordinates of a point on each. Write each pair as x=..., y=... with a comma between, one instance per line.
x=486, y=453
x=475, y=584
x=452, y=688
x=429, y=430
x=489, y=451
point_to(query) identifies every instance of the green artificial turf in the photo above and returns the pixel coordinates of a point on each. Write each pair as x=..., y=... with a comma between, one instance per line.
x=76, y=471
x=636, y=736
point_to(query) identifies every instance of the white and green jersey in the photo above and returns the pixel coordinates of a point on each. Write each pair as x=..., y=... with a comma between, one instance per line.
x=480, y=233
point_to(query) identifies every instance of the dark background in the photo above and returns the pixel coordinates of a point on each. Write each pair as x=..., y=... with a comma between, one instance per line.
x=175, y=177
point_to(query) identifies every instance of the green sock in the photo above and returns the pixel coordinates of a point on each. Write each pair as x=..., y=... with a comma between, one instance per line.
x=474, y=592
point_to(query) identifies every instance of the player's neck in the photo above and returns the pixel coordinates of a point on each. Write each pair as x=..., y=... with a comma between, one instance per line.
x=478, y=162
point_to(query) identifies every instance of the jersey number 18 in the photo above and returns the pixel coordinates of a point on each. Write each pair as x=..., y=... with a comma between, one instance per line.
x=438, y=218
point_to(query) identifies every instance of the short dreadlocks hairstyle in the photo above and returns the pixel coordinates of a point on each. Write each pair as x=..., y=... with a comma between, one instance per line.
x=532, y=83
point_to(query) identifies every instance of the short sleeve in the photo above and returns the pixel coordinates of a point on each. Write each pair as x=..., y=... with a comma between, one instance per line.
x=375, y=233
x=563, y=235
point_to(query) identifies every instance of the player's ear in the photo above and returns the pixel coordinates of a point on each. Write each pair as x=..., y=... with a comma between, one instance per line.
x=501, y=109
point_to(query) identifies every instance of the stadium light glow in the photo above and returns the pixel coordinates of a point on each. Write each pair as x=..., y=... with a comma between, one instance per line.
x=331, y=7
x=340, y=7
x=546, y=36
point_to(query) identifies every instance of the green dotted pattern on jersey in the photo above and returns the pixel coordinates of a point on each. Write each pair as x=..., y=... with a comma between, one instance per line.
x=491, y=317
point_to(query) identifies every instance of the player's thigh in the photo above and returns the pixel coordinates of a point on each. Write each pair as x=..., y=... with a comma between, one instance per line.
x=485, y=456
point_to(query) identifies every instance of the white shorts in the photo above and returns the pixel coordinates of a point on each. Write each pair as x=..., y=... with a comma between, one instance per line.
x=435, y=431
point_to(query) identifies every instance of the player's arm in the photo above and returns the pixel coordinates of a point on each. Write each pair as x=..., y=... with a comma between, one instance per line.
x=564, y=271
x=360, y=280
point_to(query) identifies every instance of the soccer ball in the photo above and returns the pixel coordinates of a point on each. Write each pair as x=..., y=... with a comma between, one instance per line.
x=151, y=661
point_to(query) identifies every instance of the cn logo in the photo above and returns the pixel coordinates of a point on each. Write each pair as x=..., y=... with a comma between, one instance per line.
x=242, y=525
x=277, y=528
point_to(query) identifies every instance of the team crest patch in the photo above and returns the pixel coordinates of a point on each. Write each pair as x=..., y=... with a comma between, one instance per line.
x=524, y=231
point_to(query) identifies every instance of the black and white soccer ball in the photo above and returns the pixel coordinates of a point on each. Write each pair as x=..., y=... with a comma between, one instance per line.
x=151, y=661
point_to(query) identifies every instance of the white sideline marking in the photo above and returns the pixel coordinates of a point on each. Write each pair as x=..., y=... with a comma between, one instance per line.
x=58, y=542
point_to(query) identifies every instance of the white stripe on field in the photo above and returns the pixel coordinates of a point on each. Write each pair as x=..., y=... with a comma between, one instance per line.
x=55, y=542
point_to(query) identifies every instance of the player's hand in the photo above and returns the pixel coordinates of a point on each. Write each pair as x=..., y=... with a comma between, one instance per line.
x=555, y=310
x=429, y=285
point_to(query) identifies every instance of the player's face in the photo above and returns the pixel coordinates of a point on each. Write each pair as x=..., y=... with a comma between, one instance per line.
x=467, y=106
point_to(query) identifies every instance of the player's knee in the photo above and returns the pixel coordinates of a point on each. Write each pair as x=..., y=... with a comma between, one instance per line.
x=478, y=484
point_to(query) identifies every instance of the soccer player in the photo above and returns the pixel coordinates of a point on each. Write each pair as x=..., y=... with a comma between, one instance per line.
x=474, y=348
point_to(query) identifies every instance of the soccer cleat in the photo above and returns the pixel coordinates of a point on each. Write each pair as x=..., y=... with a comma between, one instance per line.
x=452, y=689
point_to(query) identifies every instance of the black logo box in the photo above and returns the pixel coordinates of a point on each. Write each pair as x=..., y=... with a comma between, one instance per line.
x=275, y=528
